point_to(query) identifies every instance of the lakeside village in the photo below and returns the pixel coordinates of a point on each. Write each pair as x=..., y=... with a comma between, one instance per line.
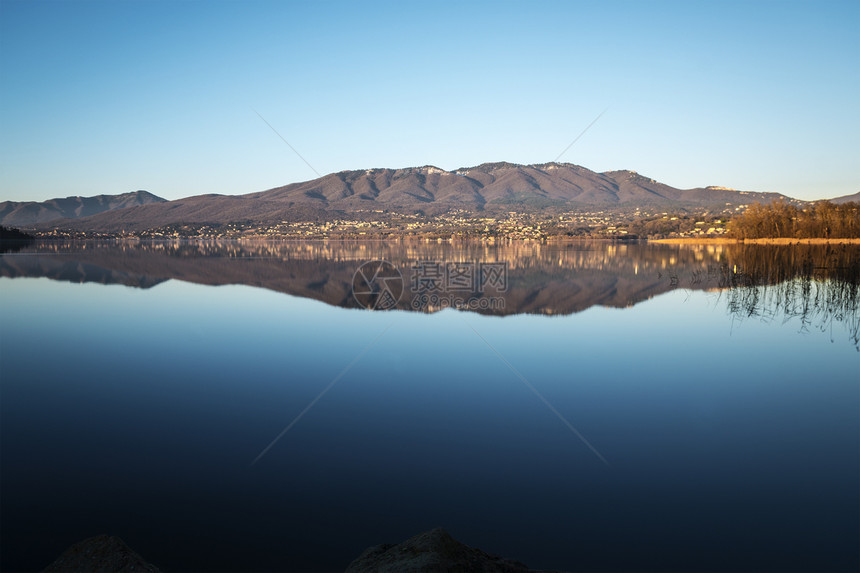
x=455, y=224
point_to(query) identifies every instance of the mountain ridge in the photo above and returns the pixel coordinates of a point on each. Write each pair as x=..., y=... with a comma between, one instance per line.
x=498, y=183
x=846, y=198
x=499, y=186
x=28, y=213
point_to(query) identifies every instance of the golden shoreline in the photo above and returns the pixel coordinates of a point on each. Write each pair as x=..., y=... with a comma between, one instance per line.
x=777, y=241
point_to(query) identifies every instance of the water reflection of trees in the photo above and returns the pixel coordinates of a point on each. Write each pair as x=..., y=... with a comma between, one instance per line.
x=816, y=284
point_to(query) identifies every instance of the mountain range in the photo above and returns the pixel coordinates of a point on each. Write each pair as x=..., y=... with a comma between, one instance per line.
x=498, y=184
x=429, y=190
x=32, y=213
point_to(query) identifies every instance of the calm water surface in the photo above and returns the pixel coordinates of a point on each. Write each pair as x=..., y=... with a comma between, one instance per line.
x=605, y=408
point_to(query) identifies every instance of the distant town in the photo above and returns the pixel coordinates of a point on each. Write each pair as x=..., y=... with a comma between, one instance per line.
x=510, y=225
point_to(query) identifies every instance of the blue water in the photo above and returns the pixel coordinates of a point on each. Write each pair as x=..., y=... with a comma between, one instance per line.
x=700, y=441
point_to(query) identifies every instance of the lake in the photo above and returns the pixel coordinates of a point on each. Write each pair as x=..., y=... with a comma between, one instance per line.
x=278, y=406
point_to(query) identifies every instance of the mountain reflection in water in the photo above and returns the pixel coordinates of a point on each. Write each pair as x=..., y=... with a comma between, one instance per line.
x=818, y=283
x=137, y=411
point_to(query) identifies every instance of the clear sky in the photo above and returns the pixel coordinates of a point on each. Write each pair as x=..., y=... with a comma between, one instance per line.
x=109, y=97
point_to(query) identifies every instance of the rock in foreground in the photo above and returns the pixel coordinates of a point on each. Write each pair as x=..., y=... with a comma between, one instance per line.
x=431, y=552
x=100, y=553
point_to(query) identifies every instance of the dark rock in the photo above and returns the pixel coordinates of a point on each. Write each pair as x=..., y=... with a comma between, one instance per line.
x=100, y=553
x=13, y=235
x=13, y=240
x=431, y=552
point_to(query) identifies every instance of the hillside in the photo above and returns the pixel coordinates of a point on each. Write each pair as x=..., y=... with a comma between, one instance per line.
x=847, y=199
x=31, y=213
x=487, y=187
x=497, y=184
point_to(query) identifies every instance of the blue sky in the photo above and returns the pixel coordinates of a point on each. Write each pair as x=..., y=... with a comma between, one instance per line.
x=109, y=97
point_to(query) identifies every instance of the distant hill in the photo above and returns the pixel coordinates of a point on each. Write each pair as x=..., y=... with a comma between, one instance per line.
x=487, y=187
x=30, y=213
x=847, y=198
x=498, y=184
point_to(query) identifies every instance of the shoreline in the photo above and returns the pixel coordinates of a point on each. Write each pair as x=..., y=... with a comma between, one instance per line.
x=771, y=241
x=450, y=239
